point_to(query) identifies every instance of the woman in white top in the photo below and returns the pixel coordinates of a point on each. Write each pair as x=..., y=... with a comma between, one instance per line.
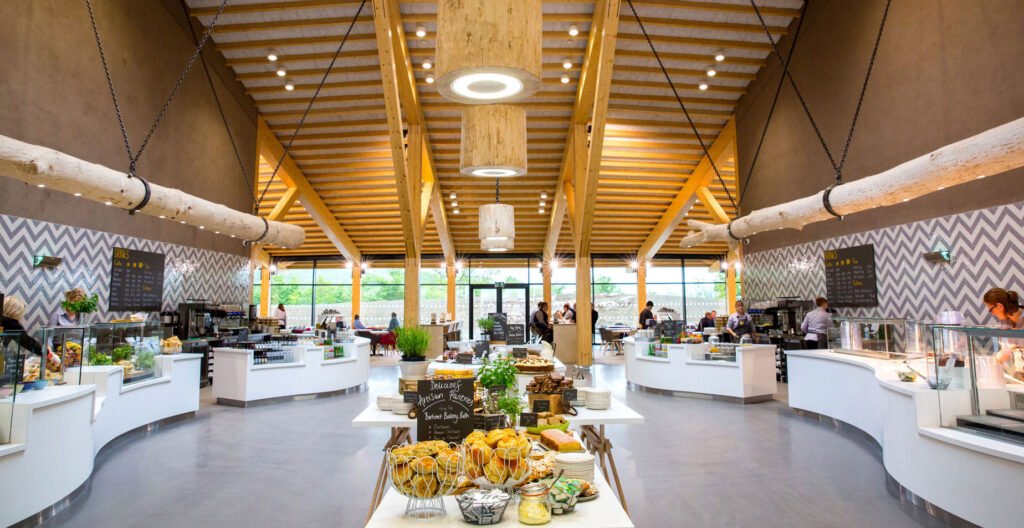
x=281, y=315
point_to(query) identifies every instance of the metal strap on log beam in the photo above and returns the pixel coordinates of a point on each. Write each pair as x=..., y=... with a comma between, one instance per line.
x=702, y=176
x=271, y=149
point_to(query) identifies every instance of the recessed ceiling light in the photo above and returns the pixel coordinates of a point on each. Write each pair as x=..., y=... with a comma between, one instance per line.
x=565, y=79
x=281, y=72
x=41, y=185
x=574, y=31
x=78, y=194
x=216, y=232
x=232, y=236
x=702, y=86
x=487, y=86
x=427, y=64
x=430, y=79
x=182, y=221
x=455, y=211
x=543, y=196
x=543, y=203
x=108, y=203
x=162, y=216
x=494, y=173
x=719, y=56
x=289, y=86
x=567, y=64
x=455, y=204
x=421, y=31
x=711, y=71
x=202, y=227
x=452, y=196
x=541, y=211
x=272, y=56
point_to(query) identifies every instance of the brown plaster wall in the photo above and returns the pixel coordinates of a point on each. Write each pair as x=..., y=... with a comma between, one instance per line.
x=946, y=70
x=53, y=93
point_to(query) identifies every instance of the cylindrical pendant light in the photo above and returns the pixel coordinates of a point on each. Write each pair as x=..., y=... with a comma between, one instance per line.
x=497, y=246
x=488, y=51
x=493, y=141
x=497, y=222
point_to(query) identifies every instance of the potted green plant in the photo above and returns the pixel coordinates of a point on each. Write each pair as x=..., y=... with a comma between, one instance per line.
x=412, y=342
x=498, y=374
x=486, y=325
x=510, y=403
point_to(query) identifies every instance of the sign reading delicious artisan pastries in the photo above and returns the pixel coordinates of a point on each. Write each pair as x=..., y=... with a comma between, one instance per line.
x=445, y=410
x=136, y=281
x=850, y=277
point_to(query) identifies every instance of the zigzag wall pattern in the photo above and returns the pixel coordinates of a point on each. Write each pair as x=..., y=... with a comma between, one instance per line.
x=987, y=247
x=189, y=273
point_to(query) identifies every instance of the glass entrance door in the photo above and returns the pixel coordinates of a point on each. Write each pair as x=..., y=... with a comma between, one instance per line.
x=513, y=300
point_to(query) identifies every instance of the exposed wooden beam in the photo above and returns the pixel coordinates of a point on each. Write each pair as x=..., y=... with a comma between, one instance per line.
x=708, y=199
x=702, y=176
x=284, y=204
x=271, y=150
x=386, y=18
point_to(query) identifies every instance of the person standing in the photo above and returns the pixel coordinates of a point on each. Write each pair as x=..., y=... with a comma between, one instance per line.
x=573, y=312
x=705, y=322
x=593, y=320
x=394, y=324
x=64, y=316
x=1004, y=305
x=816, y=324
x=281, y=315
x=647, y=316
x=539, y=321
x=13, y=310
x=741, y=323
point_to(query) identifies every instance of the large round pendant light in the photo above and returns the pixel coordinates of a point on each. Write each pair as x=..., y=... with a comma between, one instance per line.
x=493, y=141
x=497, y=222
x=497, y=246
x=488, y=51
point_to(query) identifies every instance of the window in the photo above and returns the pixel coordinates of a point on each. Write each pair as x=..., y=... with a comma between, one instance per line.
x=383, y=293
x=293, y=287
x=615, y=295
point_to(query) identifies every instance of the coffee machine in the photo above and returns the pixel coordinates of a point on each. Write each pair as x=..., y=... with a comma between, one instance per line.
x=195, y=320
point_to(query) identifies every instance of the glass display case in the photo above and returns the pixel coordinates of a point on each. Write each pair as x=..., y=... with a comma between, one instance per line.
x=12, y=358
x=881, y=338
x=65, y=346
x=133, y=346
x=979, y=372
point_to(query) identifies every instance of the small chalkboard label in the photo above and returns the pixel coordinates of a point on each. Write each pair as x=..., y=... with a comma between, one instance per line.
x=481, y=348
x=540, y=406
x=488, y=422
x=464, y=359
x=569, y=396
x=519, y=353
x=516, y=334
x=445, y=409
x=500, y=332
x=527, y=419
x=411, y=397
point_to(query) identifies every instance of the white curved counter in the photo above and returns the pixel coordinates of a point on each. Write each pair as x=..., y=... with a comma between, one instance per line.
x=749, y=379
x=969, y=476
x=240, y=382
x=58, y=431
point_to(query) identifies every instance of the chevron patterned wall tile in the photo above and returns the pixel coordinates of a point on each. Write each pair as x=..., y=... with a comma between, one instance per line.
x=987, y=245
x=189, y=273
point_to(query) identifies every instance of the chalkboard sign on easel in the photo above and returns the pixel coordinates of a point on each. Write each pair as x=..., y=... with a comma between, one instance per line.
x=850, y=277
x=516, y=334
x=136, y=281
x=445, y=410
x=500, y=332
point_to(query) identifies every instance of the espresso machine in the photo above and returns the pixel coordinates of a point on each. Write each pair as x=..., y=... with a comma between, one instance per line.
x=195, y=320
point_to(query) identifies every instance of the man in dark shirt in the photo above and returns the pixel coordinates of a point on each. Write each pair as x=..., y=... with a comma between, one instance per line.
x=647, y=315
x=705, y=322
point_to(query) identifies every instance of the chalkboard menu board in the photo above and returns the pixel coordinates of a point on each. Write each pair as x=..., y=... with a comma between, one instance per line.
x=445, y=409
x=671, y=328
x=500, y=332
x=516, y=334
x=850, y=277
x=136, y=281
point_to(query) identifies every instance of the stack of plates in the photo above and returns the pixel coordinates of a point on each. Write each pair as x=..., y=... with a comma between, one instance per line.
x=576, y=465
x=384, y=401
x=581, y=396
x=599, y=399
x=398, y=406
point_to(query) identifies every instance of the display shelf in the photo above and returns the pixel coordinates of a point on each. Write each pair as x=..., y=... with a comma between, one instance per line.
x=655, y=359
x=751, y=378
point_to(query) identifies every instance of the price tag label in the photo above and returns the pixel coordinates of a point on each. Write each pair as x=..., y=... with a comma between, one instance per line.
x=528, y=419
x=519, y=353
x=569, y=396
x=488, y=422
x=464, y=359
x=411, y=397
x=540, y=406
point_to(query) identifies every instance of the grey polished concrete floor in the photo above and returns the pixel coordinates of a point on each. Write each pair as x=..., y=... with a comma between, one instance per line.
x=695, y=463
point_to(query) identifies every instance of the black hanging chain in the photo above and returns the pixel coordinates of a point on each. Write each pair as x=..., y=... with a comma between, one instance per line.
x=133, y=158
x=775, y=101
x=837, y=167
x=310, y=105
x=683, y=106
x=220, y=109
x=497, y=191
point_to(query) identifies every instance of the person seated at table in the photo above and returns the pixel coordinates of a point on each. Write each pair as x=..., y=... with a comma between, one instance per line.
x=357, y=324
x=394, y=324
x=572, y=311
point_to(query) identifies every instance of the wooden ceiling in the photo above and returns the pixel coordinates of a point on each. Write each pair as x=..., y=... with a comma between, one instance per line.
x=649, y=149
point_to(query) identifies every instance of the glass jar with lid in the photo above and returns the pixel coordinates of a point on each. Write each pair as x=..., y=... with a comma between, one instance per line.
x=533, y=505
x=713, y=341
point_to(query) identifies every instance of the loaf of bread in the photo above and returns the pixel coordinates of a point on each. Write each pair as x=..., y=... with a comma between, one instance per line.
x=560, y=441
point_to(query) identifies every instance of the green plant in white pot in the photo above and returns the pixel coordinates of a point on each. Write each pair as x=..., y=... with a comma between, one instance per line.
x=412, y=342
x=486, y=325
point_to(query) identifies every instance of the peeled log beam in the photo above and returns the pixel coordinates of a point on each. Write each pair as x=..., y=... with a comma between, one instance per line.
x=992, y=152
x=38, y=165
